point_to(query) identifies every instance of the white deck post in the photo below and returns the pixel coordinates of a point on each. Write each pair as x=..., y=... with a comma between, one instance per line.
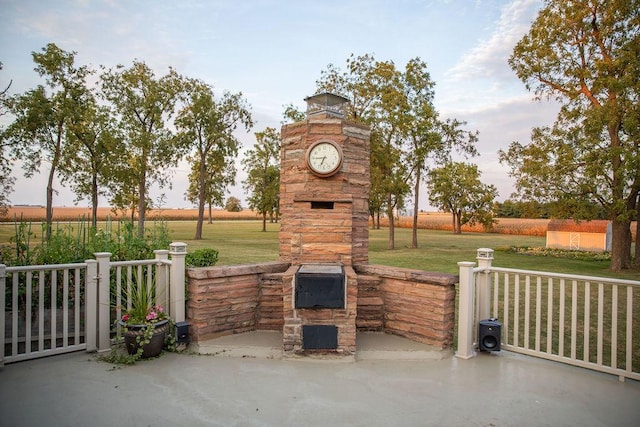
x=162, y=288
x=484, y=257
x=91, y=305
x=465, y=311
x=104, y=305
x=178, y=251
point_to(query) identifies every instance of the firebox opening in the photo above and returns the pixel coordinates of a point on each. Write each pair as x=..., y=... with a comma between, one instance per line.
x=319, y=286
x=321, y=205
x=319, y=337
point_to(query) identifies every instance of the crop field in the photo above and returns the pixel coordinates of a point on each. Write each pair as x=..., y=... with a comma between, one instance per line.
x=238, y=239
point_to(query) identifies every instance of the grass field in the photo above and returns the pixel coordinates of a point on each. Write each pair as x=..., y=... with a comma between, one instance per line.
x=239, y=240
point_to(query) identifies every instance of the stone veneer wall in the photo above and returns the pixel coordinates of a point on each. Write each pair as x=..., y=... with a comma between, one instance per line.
x=338, y=235
x=415, y=304
x=418, y=305
x=232, y=299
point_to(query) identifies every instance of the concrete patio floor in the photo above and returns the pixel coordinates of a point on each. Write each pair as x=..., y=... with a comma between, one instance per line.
x=250, y=386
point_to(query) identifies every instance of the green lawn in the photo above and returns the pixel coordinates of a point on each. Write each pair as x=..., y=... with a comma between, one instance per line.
x=241, y=242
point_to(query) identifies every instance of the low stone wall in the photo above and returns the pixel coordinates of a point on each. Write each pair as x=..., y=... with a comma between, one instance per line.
x=418, y=305
x=232, y=299
x=414, y=304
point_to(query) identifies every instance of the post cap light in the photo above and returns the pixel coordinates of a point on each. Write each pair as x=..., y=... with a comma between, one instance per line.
x=484, y=253
x=178, y=247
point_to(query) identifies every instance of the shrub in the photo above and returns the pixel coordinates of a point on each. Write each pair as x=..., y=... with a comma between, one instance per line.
x=205, y=257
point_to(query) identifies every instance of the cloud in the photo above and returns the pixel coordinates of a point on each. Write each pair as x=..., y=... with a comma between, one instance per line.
x=488, y=58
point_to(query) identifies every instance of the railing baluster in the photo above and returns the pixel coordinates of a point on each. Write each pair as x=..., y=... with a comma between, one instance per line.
x=65, y=307
x=587, y=321
x=527, y=308
x=27, y=311
x=506, y=308
x=574, y=317
x=54, y=315
x=516, y=310
x=561, y=316
x=538, y=311
x=14, y=313
x=119, y=299
x=76, y=307
x=600, y=322
x=550, y=315
x=41, y=331
x=614, y=326
x=496, y=293
x=629, y=362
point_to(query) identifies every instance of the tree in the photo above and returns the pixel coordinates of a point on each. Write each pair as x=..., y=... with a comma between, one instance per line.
x=406, y=130
x=456, y=188
x=233, y=205
x=92, y=153
x=6, y=180
x=143, y=104
x=38, y=132
x=376, y=91
x=207, y=126
x=262, y=165
x=585, y=54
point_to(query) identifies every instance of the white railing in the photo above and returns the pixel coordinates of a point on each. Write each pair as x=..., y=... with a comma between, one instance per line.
x=591, y=322
x=47, y=310
x=54, y=309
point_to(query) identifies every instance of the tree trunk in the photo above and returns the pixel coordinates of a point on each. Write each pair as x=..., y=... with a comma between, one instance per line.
x=636, y=257
x=201, y=197
x=210, y=213
x=453, y=221
x=49, y=209
x=416, y=198
x=142, y=184
x=264, y=221
x=620, y=245
x=94, y=201
x=459, y=222
x=392, y=226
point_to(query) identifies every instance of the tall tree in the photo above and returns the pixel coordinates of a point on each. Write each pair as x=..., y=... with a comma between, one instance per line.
x=456, y=188
x=6, y=180
x=207, y=126
x=41, y=117
x=262, y=164
x=376, y=91
x=406, y=131
x=92, y=152
x=585, y=54
x=144, y=104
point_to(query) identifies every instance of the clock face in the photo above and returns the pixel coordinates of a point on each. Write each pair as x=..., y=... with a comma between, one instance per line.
x=324, y=158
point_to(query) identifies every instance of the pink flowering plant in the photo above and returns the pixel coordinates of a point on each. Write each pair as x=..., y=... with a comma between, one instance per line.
x=142, y=307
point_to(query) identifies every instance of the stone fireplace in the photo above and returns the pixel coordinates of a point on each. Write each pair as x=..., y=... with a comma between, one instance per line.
x=324, y=193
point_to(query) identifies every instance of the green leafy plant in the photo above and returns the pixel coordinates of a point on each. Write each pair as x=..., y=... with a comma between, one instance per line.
x=205, y=257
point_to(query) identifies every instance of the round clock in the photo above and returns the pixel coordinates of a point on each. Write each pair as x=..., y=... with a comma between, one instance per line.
x=324, y=158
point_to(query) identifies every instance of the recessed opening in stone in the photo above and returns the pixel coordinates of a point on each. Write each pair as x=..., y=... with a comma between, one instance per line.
x=321, y=205
x=319, y=337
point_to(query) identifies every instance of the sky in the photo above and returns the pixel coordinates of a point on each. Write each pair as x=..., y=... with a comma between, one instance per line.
x=273, y=51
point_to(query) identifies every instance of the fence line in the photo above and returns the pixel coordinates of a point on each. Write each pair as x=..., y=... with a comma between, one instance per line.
x=552, y=316
x=54, y=309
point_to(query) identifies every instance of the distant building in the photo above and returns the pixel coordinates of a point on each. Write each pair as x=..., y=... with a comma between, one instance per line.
x=592, y=236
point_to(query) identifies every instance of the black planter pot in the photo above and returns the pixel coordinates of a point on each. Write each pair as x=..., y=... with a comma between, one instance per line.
x=155, y=345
